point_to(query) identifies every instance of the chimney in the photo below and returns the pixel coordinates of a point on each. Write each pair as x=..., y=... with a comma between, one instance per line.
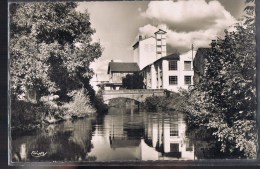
x=140, y=37
x=213, y=43
x=112, y=60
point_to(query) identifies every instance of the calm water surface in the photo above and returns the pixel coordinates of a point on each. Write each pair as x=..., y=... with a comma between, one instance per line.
x=121, y=134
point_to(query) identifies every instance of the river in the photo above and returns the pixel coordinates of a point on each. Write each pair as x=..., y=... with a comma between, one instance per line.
x=121, y=134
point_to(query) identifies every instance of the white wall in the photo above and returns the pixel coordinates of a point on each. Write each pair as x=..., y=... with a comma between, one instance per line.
x=147, y=52
x=180, y=73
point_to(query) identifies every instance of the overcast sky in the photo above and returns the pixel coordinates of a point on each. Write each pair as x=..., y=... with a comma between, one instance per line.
x=119, y=23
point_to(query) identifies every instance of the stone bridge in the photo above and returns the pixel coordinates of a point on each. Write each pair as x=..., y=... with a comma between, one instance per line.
x=135, y=94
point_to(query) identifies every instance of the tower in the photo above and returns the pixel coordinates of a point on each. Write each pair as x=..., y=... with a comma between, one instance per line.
x=160, y=37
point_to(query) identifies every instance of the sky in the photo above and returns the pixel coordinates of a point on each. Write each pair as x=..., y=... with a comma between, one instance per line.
x=187, y=22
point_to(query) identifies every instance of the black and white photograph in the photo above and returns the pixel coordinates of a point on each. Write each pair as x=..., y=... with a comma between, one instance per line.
x=131, y=81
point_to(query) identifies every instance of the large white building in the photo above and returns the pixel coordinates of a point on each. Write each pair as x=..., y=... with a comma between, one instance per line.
x=161, y=71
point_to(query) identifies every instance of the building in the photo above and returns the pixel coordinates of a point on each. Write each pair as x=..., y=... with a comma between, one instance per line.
x=169, y=72
x=147, y=50
x=161, y=71
x=199, y=63
x=116, y=72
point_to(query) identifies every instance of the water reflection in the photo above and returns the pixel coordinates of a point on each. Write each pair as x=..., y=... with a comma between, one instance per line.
x=67, y=141
x=166, y=133
x=122, y=134
x=133, y=135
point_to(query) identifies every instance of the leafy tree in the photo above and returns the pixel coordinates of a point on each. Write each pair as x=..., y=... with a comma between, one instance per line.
x=133, y=81
x=50, y=48
x=225, y=99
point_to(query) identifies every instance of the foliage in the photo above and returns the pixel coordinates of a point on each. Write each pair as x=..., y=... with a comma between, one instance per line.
x=50, y=47
x=164, y=103
x=25, y=114
x=134, y=81
x=225, y=99
x=98, y=102
x=80, y=106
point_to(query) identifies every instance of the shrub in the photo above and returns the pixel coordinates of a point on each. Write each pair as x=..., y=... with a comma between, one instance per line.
x=80, y=105
x=155, y=103
x=24, y=114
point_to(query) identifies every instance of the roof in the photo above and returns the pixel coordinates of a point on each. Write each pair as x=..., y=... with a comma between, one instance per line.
x=173, y=56
x=137, y=43
x=122, y=67
x=160, y=31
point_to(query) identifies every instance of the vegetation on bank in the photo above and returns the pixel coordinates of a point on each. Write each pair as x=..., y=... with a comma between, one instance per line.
x=163, y=103
x=51, y=49
x=223, y=103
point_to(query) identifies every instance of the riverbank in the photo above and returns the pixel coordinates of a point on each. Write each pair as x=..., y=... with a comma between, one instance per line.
x=27, y=116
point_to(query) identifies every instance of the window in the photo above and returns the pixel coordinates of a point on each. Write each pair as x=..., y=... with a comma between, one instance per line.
x=159, y=52
x=174, y=125
x=173, y=80
x=187, y=65
x=189, y=146
x=187, y=80
x=159, y=46
x=174, y=129
x=173, y=65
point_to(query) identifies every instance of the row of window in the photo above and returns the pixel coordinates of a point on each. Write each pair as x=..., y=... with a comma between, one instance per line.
x=173, y=80
x=174, y=66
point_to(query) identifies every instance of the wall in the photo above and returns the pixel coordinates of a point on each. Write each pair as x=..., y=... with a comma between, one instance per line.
x=180, y=73
x=147, y=52
x=117, y=77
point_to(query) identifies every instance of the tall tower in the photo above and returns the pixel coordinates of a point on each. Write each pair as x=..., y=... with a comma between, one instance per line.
x=160, y=37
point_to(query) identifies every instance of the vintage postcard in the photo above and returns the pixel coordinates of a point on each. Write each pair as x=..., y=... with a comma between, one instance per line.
x=132, y=81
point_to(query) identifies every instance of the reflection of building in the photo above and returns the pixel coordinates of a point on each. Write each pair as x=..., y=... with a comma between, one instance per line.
x=116, y=71
x=199, y=63
x=160, y=71
x=167, y=135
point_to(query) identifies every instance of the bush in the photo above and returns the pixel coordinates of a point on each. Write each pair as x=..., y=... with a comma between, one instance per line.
x=156, y=103
x=80, y=105
x=25, y=114
x=173, y=101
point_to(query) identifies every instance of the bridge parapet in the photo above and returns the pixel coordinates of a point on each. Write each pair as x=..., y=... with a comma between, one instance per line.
x=135, y=94
x=134, y=91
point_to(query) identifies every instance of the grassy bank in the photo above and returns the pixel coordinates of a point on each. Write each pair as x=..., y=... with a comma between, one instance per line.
x=26, y=116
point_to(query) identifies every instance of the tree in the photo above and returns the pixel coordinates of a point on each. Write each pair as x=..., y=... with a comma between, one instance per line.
x=50, y=47
x=133, y=81
x=225, y=99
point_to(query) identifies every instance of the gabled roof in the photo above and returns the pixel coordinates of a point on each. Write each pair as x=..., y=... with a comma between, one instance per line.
x=122, y=67
x=160, y=31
